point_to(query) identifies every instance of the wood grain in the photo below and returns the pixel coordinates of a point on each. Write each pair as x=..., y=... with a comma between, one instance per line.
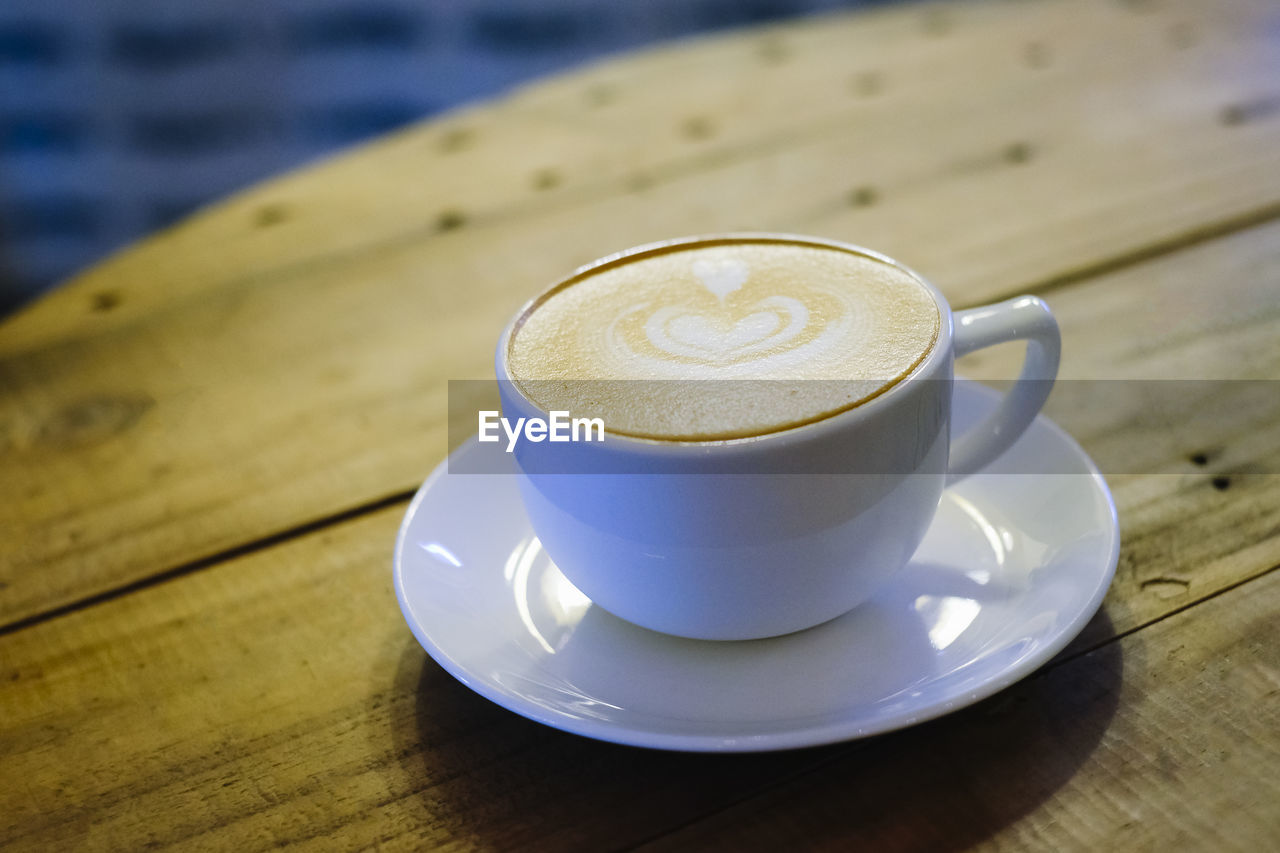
x=278, y=699
x=880, y=98
x=1173, y=388
x=282, y=358
x=1165, y=740
x=1153, y=320
x=281, y=699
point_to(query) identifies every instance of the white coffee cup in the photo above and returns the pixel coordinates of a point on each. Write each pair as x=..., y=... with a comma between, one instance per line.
x=749, y=538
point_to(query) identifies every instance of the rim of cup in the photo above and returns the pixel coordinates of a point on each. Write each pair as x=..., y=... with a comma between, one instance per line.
x=938, y=356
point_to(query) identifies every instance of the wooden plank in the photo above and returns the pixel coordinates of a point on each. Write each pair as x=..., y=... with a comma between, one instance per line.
x=1183, y=69
x=1172, y=522
x=1097, y=92
x=1165, y=740
x=283, y=358
x=1171, y=386
x=279, y=699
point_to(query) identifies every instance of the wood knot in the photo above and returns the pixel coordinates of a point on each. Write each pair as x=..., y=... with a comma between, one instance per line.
x=1037, y=54
x=456, y=139
x=93, y=420
x=450, y=220
x=773, y=51
x=936, y=23
x=867, y=84
x=1232, y=114
x=862, y=197
x=1182, y=35
x=1251, y=110
x=1018, y=152
x=698, y=127
x=104, y=300
x=270, y=214
x=600, y=95
x=546, y=179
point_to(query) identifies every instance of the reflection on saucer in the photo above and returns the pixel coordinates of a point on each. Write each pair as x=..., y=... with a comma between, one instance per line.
x=554, y=607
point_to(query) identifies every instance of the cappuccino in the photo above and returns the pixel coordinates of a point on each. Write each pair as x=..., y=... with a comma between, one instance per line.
x=814, y=329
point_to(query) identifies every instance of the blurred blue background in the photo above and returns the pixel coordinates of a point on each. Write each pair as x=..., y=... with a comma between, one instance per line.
x=118, y=117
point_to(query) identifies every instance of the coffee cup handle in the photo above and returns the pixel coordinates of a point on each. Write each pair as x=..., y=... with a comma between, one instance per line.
x=1021, y=318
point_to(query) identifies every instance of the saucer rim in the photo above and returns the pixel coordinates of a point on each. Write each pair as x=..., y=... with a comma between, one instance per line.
x=794, y=738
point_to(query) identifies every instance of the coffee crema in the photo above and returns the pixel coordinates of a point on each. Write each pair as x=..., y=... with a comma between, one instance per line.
x=722, y=339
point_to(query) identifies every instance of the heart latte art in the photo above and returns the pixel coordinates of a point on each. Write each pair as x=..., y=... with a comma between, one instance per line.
x=658, y=344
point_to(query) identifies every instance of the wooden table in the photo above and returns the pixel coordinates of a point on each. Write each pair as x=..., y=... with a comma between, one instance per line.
x=208, y=442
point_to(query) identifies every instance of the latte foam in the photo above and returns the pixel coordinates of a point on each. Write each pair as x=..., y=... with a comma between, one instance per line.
x=650, y=343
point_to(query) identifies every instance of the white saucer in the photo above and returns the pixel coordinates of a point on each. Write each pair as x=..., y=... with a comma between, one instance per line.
x=1013, y=567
